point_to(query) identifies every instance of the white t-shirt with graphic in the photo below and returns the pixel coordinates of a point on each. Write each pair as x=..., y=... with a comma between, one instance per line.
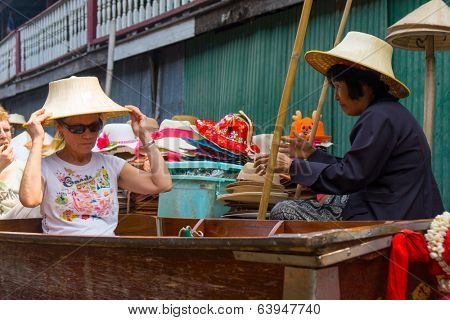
x=81, y=200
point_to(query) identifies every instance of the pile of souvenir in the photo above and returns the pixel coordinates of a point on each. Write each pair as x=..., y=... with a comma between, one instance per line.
x=244, y=195
x=229, y=140
x=171, y=140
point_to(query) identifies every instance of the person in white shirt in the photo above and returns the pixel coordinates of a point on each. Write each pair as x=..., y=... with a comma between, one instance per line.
x=77, y=188
x=11, y=170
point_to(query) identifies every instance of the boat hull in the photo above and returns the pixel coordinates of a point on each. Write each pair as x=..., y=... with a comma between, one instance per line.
x=282, y=266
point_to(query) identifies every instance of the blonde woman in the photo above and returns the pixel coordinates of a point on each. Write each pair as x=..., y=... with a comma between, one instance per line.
x=77, y=188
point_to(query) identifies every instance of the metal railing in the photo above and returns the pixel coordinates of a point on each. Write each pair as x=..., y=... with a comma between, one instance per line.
x=51, y=35
x=127, y=13
x=8, y=58
x=70, y=25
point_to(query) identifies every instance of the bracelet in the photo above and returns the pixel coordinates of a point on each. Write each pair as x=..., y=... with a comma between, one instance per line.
x=148, y=144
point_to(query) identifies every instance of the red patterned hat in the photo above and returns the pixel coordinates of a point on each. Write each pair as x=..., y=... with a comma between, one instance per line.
x=234, y=132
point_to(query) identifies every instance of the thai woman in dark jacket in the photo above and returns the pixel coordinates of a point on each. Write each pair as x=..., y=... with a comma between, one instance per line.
x=386, y=174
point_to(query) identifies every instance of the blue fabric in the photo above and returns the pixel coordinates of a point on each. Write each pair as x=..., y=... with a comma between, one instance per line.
x=209, y=144
x=387, y=171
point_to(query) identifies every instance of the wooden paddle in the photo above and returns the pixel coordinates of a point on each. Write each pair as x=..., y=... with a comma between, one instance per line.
x=323, y=93
x=282, y=110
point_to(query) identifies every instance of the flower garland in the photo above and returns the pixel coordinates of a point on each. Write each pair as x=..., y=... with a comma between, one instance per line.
x=436, y=237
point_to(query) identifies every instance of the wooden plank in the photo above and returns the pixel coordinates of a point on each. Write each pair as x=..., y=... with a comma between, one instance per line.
x=136, y=225
x=18, y=52
x=30, y=271
x=238, y=11
x=156, y=39
x=317, y=261
x=311, y=284
x=91, y=21
x=21, y=225
x=62, y=70
x=238, y=228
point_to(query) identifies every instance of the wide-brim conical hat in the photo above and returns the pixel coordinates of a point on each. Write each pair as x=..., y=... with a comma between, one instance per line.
x=364, y=51
x=430, y=19
x=78, y=96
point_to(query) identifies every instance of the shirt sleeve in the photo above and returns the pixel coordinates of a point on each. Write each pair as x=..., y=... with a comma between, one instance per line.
x=373, y=142
x=115, y=163
x=323, y=157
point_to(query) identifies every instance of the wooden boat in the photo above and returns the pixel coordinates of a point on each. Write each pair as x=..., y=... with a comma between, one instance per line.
x=235, y=259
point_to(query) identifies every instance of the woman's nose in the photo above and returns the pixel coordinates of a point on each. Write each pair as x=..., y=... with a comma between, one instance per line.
x=336, y=95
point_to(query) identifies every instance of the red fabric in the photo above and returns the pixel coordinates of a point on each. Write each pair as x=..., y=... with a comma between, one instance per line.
x=407, y=246
x=230, y=133
x=171, y=133
x=410, y=246
x=170, y=156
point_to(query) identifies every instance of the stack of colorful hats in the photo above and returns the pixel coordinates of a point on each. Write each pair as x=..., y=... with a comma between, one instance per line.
x=229, y=140
x=170, y=139
x=244, y=195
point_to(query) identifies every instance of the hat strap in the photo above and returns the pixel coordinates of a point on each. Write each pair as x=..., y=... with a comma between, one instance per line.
x=249, y=131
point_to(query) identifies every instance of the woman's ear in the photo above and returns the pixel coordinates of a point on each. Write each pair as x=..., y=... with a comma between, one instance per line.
x=58, y=130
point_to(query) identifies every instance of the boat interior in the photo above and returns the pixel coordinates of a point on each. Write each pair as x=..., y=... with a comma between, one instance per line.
x=152, y=226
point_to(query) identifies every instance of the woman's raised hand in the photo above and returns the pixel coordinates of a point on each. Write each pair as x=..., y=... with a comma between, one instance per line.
x=34, y=125
x=138, y=123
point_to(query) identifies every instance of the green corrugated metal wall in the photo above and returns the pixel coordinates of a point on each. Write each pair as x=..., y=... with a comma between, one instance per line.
x=244, y=68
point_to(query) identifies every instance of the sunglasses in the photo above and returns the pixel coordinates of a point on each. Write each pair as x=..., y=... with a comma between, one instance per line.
x=81, y=128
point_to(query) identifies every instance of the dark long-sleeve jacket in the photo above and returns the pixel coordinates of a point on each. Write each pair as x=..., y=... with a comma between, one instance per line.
x=387, y=171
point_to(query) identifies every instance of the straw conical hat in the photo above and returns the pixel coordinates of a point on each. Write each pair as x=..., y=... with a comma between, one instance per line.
x=431, y=19
x=77, y=96
x=363, y=51
x=16, y=119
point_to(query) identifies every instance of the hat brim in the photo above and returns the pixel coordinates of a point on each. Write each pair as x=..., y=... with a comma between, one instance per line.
x=105, y=114
x=117, y=148
x=174, y=144
x=323, y=61
x=252, y=197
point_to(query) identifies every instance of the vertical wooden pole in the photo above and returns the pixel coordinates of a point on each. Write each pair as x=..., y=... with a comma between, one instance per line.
x=91, y=21
x=110, y=65
x=428, y=112
x=323, y=93
x=18, y=52
x=298, y=47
